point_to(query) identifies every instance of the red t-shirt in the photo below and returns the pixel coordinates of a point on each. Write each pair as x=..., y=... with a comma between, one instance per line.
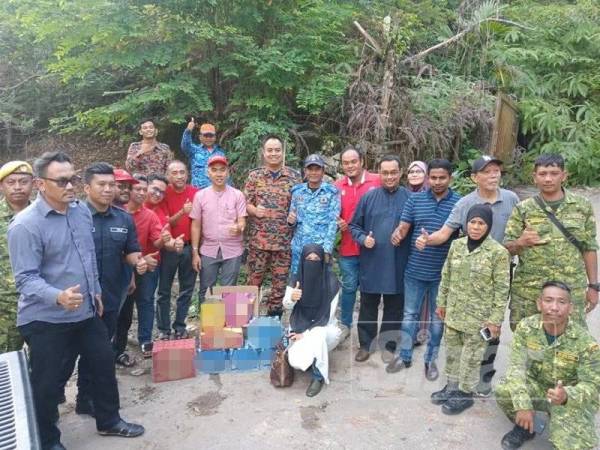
x=156, y=209
x=172, y=204
x=148, y=228
x=350, y=195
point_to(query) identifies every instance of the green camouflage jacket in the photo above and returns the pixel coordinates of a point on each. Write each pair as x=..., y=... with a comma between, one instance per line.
x=558, y=259
x=7, y=281
x=474, y=286
x=573, y=358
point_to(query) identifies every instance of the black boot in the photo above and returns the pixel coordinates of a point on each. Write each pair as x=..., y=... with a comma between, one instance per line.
x=515, y=438
x=458, y=402
x=441, y=397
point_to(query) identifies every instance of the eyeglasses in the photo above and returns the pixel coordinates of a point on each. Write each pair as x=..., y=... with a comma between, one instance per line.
x=62, y=182
x=209, y=135
x=415, y=172
x=157, y=192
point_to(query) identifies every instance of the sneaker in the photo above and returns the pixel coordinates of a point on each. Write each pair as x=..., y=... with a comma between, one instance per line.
x=442, y=396
x=458, y=402
x=314, y=387
x=397, y=364
x=431, y=371
x=515, y=438
x=147, y=350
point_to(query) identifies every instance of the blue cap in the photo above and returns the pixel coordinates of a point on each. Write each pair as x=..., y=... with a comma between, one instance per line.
x=314, y=160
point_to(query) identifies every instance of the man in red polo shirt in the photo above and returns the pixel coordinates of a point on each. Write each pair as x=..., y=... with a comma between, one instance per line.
x=356, y=182
x=177, y=206
x=149, y=231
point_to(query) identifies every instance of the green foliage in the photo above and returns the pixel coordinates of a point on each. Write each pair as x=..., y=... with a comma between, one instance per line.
x=554, y=71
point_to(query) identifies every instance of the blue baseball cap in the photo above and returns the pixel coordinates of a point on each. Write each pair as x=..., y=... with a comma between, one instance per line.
x=314, y=160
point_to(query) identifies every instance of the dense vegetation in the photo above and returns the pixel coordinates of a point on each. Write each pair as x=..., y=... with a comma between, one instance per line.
x=302, y=68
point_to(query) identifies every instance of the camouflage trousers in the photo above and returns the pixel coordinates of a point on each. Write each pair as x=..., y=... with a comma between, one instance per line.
x=278, y=262
x=522, y=307
x=10, y=338
x=572, y=426
x=464, y=352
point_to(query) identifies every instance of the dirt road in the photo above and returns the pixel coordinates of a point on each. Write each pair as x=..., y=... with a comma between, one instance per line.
x=363, y=407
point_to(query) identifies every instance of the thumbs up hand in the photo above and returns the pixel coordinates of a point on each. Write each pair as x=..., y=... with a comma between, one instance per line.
x=187, y=207
x=369, y=240
x=165, y=234
x=151, y=261
x=296, y=292
x=70, y=298
x=179, y=243
x=141, y=266
x=557, y=395
x=191, y=124
x=396, y=238
x=421, y=241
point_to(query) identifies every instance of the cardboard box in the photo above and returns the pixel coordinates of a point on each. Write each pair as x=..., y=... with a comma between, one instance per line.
x=212, y=314
x=245, y=359
x=212, y=361
x=239, y=308
x=219, y=290
x=221, y=338
x=173, y=360
x=264, y=332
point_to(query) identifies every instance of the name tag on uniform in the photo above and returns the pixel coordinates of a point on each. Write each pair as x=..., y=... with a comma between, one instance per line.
x=118, y=230
x=567, y=356
x=533, y=345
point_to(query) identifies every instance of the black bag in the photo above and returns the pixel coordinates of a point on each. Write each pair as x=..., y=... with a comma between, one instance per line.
x=282, y=374
x=566, y=233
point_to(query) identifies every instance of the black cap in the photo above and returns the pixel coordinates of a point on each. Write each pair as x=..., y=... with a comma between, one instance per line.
x=314, y=160
x=480, y=163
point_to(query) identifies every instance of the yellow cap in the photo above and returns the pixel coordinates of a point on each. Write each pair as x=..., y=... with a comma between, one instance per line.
x=11, y=167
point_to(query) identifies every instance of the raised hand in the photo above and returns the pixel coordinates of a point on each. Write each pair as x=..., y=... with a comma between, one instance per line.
x=187, y=207
x=557, y=395
x=530, y=237
x=191, y=124
x=151, y=261
x=141, y=266
x=70, y=298
x=165, y=234
x=297, y=292
x=421, y=241
x=369, y=240
x=179, y=243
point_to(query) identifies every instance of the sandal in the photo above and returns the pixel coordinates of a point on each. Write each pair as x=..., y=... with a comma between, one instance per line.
x=124, y=360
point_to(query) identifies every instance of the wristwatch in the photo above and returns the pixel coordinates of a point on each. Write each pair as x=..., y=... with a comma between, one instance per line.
x=594, y=286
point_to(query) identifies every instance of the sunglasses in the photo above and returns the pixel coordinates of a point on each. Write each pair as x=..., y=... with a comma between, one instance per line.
x=63, y=182
x=209, y=135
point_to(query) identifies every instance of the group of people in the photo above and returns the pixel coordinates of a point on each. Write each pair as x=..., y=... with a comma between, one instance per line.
x=439, y=262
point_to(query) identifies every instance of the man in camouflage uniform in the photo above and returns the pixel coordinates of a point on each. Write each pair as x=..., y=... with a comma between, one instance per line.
x=554, y=366
x=473, y=295
x=16, y=183
x=268, y=192
x=544, y=251
x=314, y=210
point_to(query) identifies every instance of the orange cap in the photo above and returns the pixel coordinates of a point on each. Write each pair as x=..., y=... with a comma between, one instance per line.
x=207, y=128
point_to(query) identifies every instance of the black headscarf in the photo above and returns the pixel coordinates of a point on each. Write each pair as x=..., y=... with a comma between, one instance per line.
x=484, y=212
x=319, y=286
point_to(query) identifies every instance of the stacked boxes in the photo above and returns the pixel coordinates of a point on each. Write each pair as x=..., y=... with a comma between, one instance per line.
x=173, y=360
x=226, y=324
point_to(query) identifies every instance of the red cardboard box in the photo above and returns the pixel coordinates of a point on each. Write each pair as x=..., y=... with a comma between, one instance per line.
x=221, y=338
x=173, y=360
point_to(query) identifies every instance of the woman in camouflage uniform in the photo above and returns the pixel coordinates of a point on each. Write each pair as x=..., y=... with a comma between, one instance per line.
x=473, y=295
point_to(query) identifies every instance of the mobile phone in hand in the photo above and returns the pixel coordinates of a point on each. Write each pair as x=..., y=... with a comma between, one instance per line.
x=486, y=334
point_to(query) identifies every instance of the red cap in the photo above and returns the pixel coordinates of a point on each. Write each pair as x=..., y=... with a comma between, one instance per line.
x=123, y=176
x=218, y=159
